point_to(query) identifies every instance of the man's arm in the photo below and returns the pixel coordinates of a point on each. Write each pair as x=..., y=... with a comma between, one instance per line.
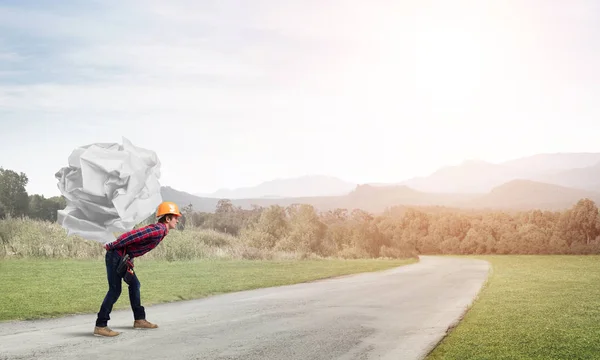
x=129, y=238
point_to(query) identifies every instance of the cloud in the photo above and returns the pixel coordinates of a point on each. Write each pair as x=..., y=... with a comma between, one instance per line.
x=175, y=56
x=9, y=57
x=381, y=70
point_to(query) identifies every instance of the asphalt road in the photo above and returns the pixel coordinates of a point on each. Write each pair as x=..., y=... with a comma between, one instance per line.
x=400, y=313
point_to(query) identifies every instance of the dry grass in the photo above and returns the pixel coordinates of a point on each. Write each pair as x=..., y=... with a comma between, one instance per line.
x=26, y=238
x=34, y=239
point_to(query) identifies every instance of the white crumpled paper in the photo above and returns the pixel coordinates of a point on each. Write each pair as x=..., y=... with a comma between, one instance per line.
x=108, y=188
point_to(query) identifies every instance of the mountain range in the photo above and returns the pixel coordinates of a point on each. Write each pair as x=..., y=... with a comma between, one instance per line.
x=316, y=185
x=544, y=181
x=578, y=170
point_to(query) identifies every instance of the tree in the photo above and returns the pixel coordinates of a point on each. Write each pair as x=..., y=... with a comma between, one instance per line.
x=186, y=212
x=306, y=231
x=532, y=240
x=337, y=234
x=365, y=236
x=272, y=226
x=224, y=206
x=45, y=209
x=188, y=209
x=13, y=194
x=52, y=205
x=416, y=226
x=586, y=219
x=36, y=206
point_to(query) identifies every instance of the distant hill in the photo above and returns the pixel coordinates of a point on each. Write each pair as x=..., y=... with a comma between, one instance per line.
x=469, y=177
x=303, y=186
x=377, y=198
x=545, y=181
x=527, y=194
x=546, y=163
x=587, y=178
x=208, y=204
x=183, y=198
x=575, y=170
x=515, y=194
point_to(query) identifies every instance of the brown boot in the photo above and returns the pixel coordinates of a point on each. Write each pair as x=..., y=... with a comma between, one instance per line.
x=144, y=324
x=105, y=331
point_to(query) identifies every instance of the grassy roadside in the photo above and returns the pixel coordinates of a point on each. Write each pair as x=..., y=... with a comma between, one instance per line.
x=35, y=288
x=533, y=307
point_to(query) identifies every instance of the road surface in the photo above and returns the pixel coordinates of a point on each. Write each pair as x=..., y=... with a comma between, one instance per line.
x=400, y=313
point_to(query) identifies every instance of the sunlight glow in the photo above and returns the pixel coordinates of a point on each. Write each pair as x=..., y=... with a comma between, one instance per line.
x=447, y=67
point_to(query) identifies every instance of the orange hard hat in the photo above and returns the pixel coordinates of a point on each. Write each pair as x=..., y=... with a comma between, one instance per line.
x=167, y=207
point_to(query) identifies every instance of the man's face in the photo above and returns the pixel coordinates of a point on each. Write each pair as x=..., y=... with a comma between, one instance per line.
x=172, y=222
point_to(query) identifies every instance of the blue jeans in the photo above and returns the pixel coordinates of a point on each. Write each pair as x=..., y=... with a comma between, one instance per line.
x=114, y=291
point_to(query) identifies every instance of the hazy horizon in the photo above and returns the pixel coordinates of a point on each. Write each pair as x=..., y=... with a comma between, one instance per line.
x=230, y=95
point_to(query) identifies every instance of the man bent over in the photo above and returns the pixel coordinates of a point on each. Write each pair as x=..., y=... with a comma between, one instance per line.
x=134, y=243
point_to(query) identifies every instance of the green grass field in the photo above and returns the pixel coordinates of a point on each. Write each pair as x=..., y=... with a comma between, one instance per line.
x=33, y=289
x=533, y=307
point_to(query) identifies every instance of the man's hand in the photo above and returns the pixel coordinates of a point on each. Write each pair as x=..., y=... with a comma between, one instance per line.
x=106, y=246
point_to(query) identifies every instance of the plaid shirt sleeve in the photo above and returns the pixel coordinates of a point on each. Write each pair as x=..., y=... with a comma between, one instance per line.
x=133, y=236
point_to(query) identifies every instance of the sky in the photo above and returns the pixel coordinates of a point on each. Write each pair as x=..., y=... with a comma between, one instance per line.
x=234, y=93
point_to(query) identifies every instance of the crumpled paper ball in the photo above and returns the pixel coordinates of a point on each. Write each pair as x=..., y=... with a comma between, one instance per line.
x=108, y=188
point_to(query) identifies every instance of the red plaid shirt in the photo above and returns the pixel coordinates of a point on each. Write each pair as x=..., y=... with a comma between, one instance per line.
x=137, y=242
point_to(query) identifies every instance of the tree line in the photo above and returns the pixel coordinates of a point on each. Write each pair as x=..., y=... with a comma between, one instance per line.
x=403, y=231
x=16, y=202
x=400, y=231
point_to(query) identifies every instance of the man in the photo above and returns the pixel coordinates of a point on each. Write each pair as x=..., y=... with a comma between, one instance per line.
x=136, y=243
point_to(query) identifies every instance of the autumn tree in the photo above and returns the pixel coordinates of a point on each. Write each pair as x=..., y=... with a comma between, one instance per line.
x=337, y=232
x=365, y=236
x=585, y=220
x=415, y=225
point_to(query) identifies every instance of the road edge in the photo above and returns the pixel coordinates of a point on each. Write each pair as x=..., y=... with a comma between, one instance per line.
x=434, y=344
